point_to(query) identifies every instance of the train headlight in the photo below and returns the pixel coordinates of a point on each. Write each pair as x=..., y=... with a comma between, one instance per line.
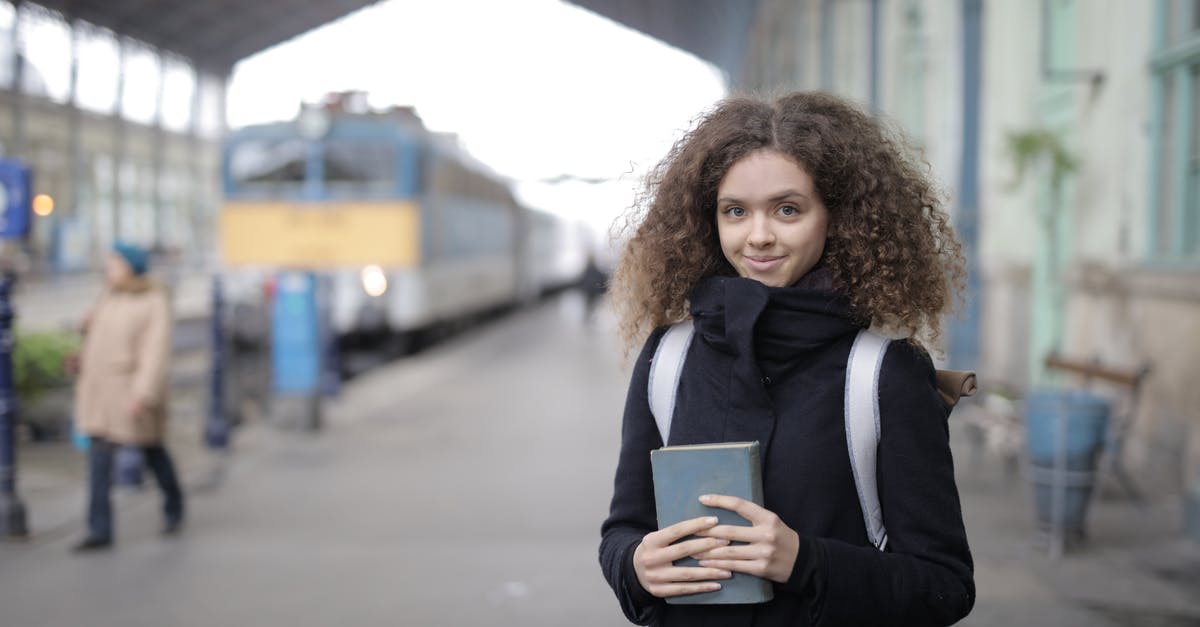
x=374, y=281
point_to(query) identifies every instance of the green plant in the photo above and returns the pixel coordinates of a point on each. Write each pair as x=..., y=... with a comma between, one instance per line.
x=39, y=361
x=1029, y=146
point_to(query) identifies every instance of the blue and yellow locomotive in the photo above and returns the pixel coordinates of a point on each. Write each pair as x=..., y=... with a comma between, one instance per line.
x=412, y=231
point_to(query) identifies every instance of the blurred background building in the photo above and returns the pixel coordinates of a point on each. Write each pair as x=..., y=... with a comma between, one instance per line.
x=1066, y=133
x=121, y=134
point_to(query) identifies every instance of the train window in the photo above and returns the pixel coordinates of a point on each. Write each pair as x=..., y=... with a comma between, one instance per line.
x=360, y=167
x=267, y=166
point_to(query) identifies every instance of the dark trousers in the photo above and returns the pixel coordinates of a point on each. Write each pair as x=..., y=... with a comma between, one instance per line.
x=100, y=468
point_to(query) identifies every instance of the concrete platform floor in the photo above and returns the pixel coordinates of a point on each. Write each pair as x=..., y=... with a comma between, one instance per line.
x=465, y=486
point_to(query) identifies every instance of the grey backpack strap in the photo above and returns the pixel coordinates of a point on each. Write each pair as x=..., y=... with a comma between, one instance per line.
x=862, y=427
x=665, y=370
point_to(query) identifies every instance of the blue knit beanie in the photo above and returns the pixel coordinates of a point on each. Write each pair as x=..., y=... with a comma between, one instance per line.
x=134, y=255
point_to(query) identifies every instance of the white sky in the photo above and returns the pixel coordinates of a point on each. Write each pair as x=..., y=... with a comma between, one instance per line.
x=534, y=88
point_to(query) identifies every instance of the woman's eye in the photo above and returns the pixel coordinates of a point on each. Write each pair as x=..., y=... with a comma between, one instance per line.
x=788, y=210
x=735, y=212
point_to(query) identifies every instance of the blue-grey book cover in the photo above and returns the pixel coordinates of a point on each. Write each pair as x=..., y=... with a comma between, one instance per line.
x=681, y=475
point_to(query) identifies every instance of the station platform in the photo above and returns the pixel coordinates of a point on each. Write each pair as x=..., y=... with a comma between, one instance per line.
x=465, y=485
x=60, y=302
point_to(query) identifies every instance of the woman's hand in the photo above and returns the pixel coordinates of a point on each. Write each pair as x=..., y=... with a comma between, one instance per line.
x=653, y=557
x=770, y=548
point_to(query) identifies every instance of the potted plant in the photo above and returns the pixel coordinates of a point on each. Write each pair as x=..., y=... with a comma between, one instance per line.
x=42, y=382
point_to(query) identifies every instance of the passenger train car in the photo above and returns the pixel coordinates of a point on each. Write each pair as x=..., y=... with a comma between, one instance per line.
x=411, y=232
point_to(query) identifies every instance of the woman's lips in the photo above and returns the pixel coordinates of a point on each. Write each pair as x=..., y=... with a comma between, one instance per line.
x=763, y=264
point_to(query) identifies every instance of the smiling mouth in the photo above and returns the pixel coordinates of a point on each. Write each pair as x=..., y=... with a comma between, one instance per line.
x=763, y=264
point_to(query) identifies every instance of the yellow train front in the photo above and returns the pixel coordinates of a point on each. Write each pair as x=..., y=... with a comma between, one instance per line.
x=413, y=233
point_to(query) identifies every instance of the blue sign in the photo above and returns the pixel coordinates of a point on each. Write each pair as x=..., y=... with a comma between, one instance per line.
x=296, y=335
x=16, y=199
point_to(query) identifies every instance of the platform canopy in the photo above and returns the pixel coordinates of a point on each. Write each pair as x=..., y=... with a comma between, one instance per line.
x=212, y=34
x=717, y=31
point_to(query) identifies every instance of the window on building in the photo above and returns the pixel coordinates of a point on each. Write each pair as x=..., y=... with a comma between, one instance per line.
x=1175, y=189
x=44, y=35
x=98, y=60
x=142, y=74
x=211, y=119
x=179, y=88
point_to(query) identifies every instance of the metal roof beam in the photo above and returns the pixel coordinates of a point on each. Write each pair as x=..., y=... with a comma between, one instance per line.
x=271, y=29
x=213, y=34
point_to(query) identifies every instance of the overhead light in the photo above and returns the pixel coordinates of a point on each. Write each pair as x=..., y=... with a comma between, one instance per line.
x=43, y=204
x=374, y=281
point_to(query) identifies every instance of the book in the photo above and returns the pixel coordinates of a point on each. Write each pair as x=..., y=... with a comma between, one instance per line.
x=681, y=475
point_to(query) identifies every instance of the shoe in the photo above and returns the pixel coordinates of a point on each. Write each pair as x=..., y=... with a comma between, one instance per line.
x=87, y=545
x=172, y=527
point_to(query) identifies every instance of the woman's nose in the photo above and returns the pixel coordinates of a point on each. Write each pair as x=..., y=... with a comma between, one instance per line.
x=761, y=234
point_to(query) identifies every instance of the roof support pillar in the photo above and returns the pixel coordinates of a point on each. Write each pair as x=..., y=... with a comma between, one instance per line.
x=223, y=104
x=20, y=101
x=964, y=330
x=195, y=168
x=119, y=138
x=74, y=127
x=158, y=149
x=827, y=24
x=873, y=51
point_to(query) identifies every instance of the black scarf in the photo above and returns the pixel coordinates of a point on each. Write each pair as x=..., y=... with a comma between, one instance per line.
x=765, y=331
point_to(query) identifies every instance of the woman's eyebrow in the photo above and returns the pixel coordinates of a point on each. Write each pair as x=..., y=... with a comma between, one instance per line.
x=783, y=195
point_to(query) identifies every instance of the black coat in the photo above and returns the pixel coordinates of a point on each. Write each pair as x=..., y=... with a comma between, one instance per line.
x=769, y=364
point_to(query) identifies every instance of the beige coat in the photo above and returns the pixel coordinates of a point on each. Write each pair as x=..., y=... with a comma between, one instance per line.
x=125, y=359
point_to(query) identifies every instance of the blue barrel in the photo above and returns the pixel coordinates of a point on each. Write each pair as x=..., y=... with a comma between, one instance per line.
x=1087, y=423
x=1082, y=419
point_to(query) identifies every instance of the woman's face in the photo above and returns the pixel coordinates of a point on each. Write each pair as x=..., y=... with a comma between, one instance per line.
x=116, y=269
x=770, y=219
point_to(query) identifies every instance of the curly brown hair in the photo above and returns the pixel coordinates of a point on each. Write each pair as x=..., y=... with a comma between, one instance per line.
x=890, y=247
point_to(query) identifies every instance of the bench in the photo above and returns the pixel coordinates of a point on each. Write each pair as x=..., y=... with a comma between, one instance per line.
x=1128, y=384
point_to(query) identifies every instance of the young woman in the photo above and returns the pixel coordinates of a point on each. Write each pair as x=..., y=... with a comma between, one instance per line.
x=121, y=393
x=781, y=229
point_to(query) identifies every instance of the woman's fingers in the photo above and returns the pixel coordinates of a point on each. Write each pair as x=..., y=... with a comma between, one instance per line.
x=756, y=514
x=734, y=533
x=736, y=552
x=668, y=535
x=674, y=581
x=689, y=548
x=757, y=567
x=687, y=574
x=678, y=589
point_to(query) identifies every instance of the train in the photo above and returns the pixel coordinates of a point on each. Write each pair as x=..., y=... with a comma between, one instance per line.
x=408, y=231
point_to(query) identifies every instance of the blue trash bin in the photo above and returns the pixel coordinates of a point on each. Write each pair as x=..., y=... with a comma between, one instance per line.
x=1066, y=427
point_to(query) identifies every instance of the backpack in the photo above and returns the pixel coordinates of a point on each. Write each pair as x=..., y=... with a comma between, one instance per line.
x=861, y=409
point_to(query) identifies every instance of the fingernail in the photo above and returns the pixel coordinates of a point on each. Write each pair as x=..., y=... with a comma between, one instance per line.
x=726, y=574
x=714, y=586
x=712, y=520
x=706, y=498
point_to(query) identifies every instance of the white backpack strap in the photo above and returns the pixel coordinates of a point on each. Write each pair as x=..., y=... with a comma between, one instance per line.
x=665, y=369
x=862, y=426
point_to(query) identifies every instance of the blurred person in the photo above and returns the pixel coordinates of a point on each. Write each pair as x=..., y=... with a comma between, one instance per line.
x=594, y=285
x=781, y=229
x=121, y=391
